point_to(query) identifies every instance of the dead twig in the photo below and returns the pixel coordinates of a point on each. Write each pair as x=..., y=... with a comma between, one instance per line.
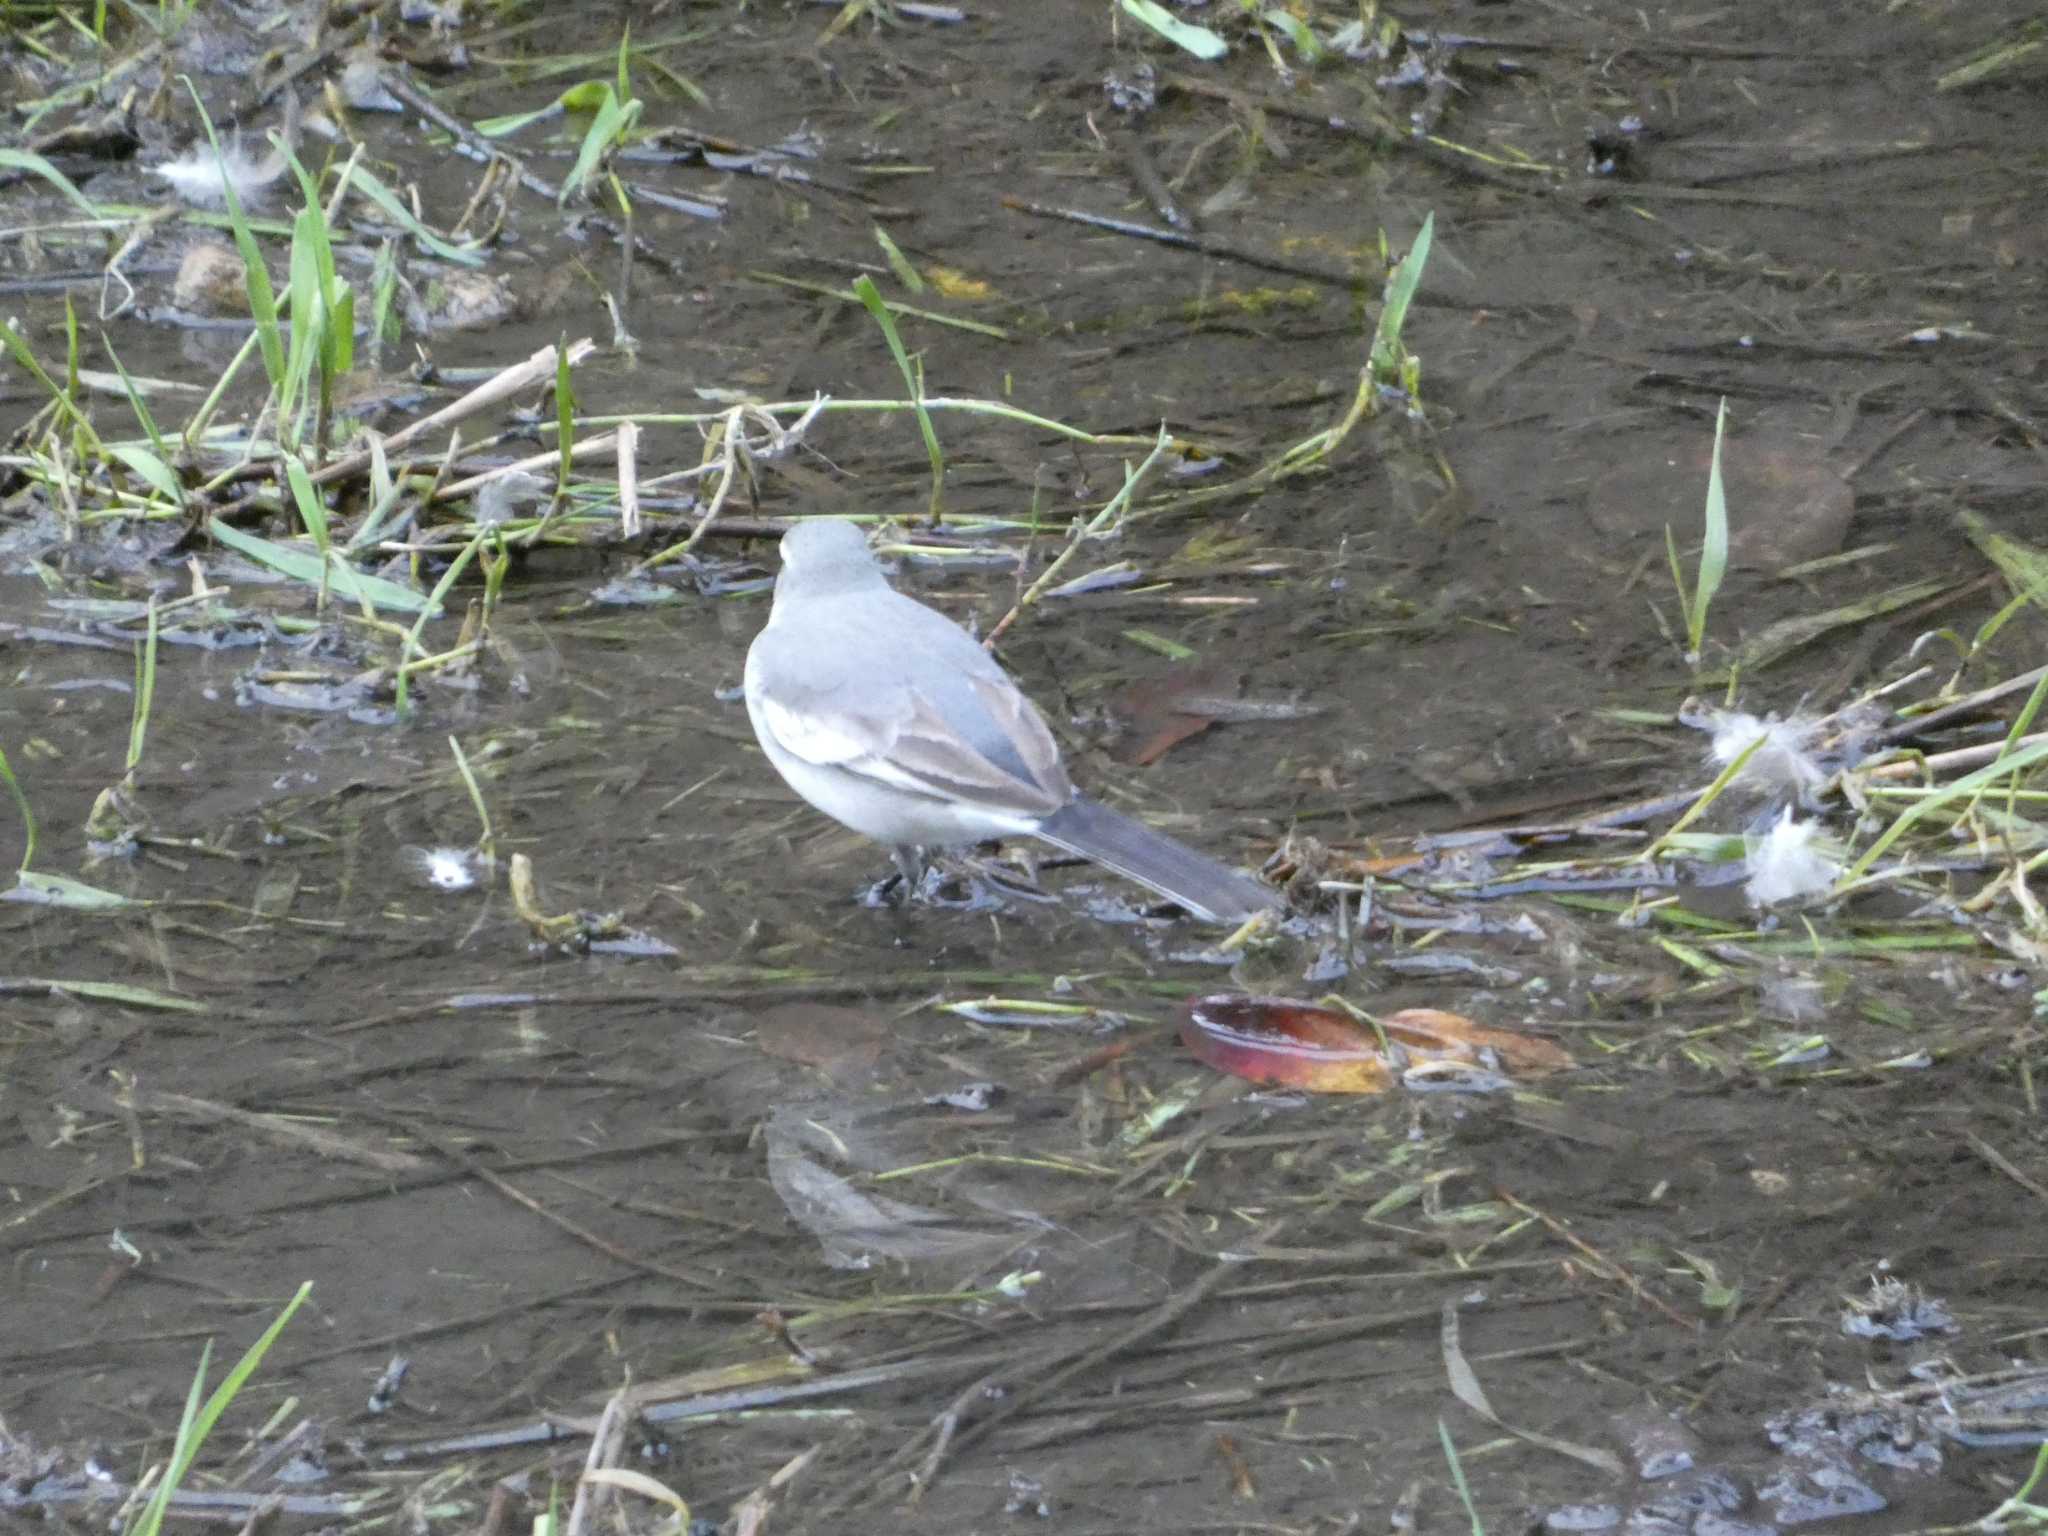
x=1602, y=1264
x=582, y=1234
x=606, y=1445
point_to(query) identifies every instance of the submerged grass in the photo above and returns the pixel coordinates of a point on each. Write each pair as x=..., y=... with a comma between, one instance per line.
x=1390, y=371
x=34, y=886
x=1458, y=1482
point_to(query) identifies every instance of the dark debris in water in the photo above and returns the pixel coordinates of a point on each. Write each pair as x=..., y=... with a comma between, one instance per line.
x=634, y=592
x=362, y=697
x=1897, y=1311
x=1857, y=1453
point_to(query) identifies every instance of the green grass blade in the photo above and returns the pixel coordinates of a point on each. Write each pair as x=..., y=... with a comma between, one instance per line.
x=385, y=495
x=330, y=345
x=2024, y=566
x=1299, y=33
x=1999, y=59
x=309, y=189
x=17, y=347
x=1199, y=41
x=1677, y=579
x=487, y=841
x=182, y=1451
x=194, y=431
x=62, y=891
x=503, y=127
x=384, y=329
x=900, y=264
x=608, y=129
x=1776, y=641
x=1458, y=1478
x=2023, y=722
x=312, y=510
x=262, y=298
x=565, y=415
x=1387, y=353
x=28, y=817
x=1962, y=789
x=145, y=691
x=136, y=403
x=108, y=992
x=161, y=477
x=411, y=648
x=1714, y=548
x=308, y=567
x=2020, y=1510
x=36, y=165
x=306, y=307
x=71, y=360
x=933, y=316
x=338, y=334
x=200, y=1418
x=870, y=296
x=1707, y=797
x=395, y=210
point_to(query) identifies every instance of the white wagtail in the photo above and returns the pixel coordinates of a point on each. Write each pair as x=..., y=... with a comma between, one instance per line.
x=892, y=720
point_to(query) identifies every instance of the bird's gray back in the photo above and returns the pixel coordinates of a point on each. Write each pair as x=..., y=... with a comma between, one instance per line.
x=864, y=653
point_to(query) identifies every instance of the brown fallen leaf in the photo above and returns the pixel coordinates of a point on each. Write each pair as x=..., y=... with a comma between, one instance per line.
x=1160, y=708
x=1435, y=1035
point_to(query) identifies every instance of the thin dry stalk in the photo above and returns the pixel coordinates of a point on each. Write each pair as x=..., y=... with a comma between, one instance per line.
x=629, y=479
x=750, y=1515
x=585, y=448
x=606, y=1446
x=277, y=1128
x=507, y=382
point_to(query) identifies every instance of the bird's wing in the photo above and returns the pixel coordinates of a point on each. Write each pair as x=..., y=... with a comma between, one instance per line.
x=1003, y=757
x=929, y=752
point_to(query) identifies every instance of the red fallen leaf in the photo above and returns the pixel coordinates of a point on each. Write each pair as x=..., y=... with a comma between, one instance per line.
x=1277, y=1040
x=1324, y=1050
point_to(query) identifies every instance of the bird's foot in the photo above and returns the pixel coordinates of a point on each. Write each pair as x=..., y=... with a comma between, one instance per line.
x=956, y=885
x=902, y=887
x=890, y=893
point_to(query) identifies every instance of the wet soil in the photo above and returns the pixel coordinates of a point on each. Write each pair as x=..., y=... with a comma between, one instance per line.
x=541, y=1177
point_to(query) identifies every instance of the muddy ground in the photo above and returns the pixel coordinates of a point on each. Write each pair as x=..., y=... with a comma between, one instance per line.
x=541, y=1177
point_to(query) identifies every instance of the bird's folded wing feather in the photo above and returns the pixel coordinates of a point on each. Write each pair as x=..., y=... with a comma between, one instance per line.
x=907, y=744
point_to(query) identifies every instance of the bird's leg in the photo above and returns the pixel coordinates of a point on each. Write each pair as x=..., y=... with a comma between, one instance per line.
x=910, y=867
x=901, y=888
x=922, y=880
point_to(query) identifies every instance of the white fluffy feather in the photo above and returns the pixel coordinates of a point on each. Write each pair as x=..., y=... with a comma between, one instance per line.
x=198, y=178
x=1782, y=764
x=1789, y=861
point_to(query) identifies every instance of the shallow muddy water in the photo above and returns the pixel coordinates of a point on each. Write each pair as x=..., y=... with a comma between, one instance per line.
x=541, y=1176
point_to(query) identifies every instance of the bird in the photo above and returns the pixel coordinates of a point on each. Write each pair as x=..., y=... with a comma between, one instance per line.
x=896, y=723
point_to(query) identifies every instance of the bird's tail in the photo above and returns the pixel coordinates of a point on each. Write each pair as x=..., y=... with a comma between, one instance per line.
x=1132, y=849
